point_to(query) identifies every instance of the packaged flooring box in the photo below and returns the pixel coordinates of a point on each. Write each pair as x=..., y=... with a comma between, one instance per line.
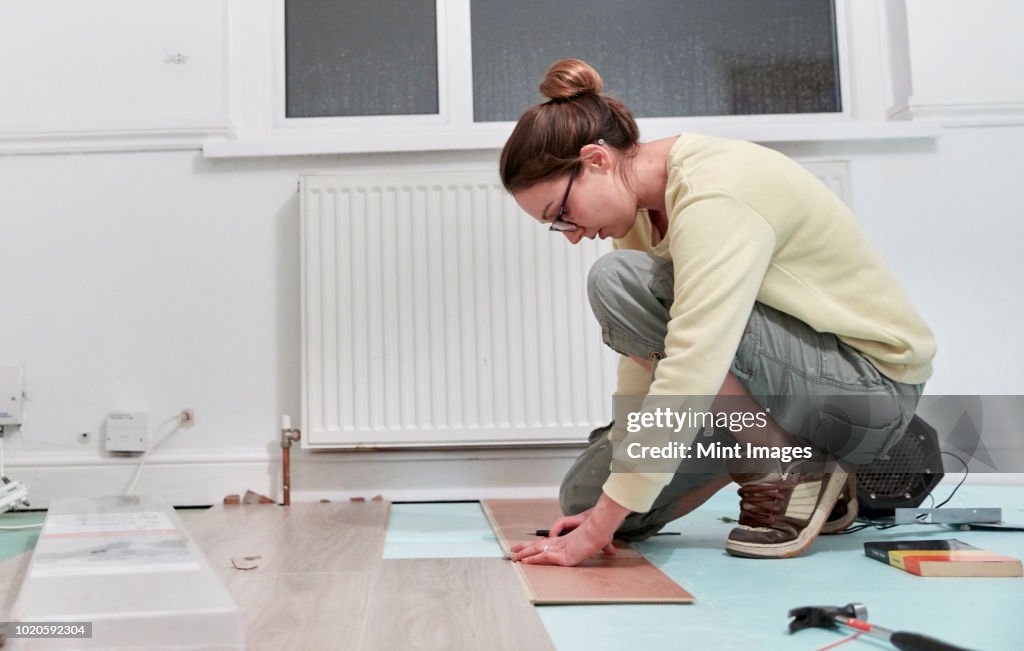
x=947, y=557
x=121, y=573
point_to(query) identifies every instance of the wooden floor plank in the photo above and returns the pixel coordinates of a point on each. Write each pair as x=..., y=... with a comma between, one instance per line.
x=627, y=577
x=12, y=574
x=224, y=532
x=446, y=603
x=311, y=588
x=308, y=537
x=330, y=537
x=303, y=611
x=514, y=521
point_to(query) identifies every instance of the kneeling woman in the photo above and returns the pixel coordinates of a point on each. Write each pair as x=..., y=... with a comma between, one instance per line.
x=737, y=274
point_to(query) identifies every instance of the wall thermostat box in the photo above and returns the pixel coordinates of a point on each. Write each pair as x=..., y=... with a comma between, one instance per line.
x=127, y=431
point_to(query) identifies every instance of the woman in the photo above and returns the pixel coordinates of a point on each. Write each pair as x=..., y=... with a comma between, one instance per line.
x=737, y=274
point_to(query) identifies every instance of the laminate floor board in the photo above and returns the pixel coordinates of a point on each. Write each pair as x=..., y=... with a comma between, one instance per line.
x=626, y=577
x=229, y=531
x=309, y=537
x=303, y=611
x=328, y=537
x=12, y=573
x=452, y=604
x=515, y=520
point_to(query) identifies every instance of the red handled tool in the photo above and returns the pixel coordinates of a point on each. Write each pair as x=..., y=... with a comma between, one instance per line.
x=855, y=616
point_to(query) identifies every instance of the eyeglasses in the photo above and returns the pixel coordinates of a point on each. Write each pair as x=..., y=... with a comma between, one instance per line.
x=558, y=224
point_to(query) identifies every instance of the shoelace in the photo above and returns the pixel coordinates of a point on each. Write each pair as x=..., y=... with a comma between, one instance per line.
x=761, y=504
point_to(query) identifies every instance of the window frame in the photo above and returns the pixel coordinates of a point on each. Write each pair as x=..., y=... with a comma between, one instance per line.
x=865, y=113
x=342, y=123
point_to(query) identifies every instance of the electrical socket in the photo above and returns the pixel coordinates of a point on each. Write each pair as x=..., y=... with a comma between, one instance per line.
x=187, y=418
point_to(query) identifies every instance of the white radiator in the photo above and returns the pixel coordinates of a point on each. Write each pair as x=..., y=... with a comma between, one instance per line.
x=436, y=313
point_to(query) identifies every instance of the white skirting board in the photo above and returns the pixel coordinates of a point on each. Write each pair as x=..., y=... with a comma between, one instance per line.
x=191, y=480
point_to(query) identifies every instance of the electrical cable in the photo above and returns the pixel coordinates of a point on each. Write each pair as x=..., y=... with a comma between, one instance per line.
x=962, y=479
x=156, y=443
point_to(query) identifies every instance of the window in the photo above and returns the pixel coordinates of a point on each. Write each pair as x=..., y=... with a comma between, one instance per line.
x=360, y=57
x=663, y=58
x=325, y=77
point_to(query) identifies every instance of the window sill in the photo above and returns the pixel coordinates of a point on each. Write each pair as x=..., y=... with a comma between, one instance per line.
x=308, y=143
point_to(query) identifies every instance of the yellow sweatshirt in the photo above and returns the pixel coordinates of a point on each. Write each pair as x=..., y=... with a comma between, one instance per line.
x=745, y=224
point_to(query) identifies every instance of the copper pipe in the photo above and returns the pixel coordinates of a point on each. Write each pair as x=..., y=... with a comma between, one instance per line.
x=288, y=435
x=286, y=455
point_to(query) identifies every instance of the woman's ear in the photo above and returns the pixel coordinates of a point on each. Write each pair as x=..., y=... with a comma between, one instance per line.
x=596, y=156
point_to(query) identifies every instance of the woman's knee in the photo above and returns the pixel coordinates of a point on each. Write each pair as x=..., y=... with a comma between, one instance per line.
x=615, y=274
x=623, y=288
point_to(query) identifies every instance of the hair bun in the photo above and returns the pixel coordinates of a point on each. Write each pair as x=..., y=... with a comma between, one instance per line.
x=570, y=78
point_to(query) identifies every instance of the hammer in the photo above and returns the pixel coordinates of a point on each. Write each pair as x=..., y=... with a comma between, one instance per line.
x=854, y=616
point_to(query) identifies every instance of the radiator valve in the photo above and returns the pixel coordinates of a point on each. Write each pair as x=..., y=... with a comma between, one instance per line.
x=289, y=434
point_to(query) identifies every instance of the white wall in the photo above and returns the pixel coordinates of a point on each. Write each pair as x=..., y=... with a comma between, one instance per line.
x=966, y=52
x=161, y=280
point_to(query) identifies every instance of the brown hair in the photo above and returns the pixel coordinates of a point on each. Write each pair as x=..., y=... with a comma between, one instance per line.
x=548, y=137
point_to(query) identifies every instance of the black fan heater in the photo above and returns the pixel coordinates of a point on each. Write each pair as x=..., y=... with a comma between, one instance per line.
x=912, y=468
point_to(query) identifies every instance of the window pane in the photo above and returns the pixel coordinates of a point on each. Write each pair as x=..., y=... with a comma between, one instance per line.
x=360, y=57
x=663, y=58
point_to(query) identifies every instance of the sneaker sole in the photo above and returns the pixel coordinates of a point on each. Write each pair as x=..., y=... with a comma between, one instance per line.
x=832, y=527
x=829, y=493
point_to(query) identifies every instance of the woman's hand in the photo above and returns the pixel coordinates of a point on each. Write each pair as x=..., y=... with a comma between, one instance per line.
x=589, y=532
